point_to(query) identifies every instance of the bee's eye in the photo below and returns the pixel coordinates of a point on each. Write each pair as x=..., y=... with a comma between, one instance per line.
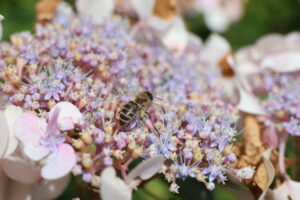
x=150, y=95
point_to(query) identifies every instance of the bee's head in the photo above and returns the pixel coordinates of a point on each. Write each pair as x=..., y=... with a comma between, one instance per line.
x=144, y=98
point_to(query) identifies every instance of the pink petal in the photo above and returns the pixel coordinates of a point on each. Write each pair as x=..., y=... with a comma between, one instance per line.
x=20, y=169
x=176, y=37
x=282, y=62
x=66, y=123
x=29, y=129
x=59, y=163
x=52, y=128
x=112, y=187
x=249, y=103
x=48, y=190
x=4, y=134
x=12, y=113
x=36, y=153
x=270, y=137
x=143, y=8
x=97, y=10
x=67, y=110
x=146, y=169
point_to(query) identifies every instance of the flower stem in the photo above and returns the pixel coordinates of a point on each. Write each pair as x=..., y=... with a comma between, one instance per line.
x=282, y=147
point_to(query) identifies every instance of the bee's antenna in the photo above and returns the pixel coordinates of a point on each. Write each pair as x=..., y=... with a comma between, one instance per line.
x=158, y=98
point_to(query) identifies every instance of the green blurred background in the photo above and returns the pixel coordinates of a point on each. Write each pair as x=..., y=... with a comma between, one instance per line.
x=261, y=17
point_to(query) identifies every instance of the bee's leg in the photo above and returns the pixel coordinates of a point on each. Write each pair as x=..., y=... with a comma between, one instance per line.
x=144, y=116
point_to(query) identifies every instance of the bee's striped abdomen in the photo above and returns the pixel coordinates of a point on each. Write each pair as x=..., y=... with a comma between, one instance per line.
x=128, y=112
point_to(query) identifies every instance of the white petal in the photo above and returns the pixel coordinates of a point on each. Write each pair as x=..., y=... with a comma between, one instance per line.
x=19, y=169
x=67, y=110
x=288, y=190
x=269, y=44
x=12, y=113
x=146, y=169
x=112, y=187
x=158, y=24
x=249, y=103
x=3, y=183
x=97, y=10
x=283, y=62
x=215, y=48
x=176, y=37
x=143, y=7
x=270, y=171
x=216, y=20
x=18, y=191
x=50, y=189
x=246, y=60
x=4, y=134
x=64, y=9
x=36, y=152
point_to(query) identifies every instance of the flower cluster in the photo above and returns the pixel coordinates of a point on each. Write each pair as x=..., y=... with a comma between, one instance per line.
x=272, y=69
x=71, y=78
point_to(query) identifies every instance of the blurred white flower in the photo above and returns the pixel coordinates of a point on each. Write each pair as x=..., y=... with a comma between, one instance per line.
x=97, y=10
x=169, y=27
x=219, y=14
x=1, y=31
x=115, y=188
x=288, y=190
x=273, y=51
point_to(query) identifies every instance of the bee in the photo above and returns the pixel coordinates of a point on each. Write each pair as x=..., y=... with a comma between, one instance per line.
x=136, y=108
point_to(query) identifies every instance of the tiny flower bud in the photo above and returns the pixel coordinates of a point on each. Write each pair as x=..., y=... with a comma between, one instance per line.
x=108, y=138
x=174, y=188
x=78, y=144
x=246, y=172
x=86, y=137
x=107, y=161
x=96, y=181
x=131, y=145
x=137, y=152
x=210, y=186
x=108, y=129
x=87, y=162
x=200, y=177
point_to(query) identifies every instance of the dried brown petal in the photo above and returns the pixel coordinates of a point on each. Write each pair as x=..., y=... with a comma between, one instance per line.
x=226, y=68
x=261, y=177
x=252, y=135
x=45, y=10
x=165, y=9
